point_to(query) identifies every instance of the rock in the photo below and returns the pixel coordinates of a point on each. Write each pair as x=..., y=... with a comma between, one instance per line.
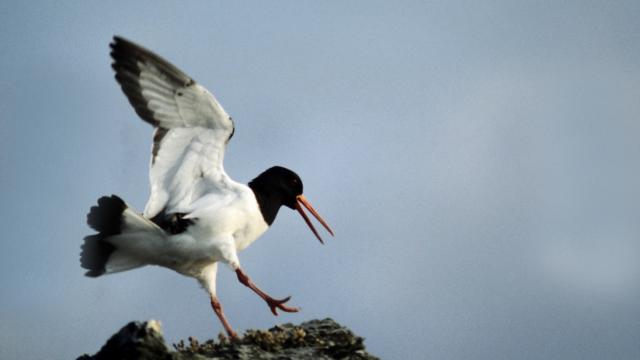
x=315, y=339
x=134, y=341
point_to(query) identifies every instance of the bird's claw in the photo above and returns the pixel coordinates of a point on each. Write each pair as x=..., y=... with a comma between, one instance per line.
x=275, y=304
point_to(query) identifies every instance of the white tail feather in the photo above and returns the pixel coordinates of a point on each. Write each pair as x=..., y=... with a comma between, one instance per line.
x=137, y=243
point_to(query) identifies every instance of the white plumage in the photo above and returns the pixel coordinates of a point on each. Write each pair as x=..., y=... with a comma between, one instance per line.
x=186, y=172
x=196, y=216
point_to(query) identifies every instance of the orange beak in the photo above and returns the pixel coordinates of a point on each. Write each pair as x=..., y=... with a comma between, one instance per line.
x=300, y=199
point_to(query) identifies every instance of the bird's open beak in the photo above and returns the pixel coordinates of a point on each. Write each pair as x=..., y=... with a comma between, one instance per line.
x=300, y=199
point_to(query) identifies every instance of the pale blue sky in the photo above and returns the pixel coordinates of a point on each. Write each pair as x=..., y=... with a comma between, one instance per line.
x=479, y=164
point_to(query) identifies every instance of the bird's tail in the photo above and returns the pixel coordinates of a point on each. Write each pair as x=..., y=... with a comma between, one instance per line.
x=120, y=241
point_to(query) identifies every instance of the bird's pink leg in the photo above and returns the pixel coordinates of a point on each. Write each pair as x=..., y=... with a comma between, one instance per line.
x=217, y=308
x=274, y=304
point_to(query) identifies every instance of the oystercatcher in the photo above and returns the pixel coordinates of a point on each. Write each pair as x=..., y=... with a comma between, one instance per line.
x=196, y=215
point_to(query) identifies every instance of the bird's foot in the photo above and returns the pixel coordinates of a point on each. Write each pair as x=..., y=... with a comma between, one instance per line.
x=275, y=304
x=217, y=308
x=232, y=335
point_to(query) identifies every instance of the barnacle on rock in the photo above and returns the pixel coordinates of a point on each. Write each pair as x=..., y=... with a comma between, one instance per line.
x=315, y=339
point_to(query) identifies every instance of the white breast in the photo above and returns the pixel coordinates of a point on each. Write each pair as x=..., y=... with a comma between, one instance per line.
x=254, y=225
x=233, y=214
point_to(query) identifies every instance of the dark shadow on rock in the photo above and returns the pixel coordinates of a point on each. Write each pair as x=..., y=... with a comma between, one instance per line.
x=315, y=339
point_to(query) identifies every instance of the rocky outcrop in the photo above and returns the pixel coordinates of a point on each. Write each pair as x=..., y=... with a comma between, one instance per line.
x=315, y=339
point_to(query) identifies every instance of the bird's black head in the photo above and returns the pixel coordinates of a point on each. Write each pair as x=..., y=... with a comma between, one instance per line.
x=279, y=186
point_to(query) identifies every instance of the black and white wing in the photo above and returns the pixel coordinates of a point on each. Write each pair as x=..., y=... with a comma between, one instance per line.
x=191, y=127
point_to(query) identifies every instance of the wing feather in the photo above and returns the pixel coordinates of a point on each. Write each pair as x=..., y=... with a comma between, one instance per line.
x=191, y=132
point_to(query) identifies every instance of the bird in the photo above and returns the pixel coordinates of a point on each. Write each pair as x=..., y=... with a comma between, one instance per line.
x=196, y=215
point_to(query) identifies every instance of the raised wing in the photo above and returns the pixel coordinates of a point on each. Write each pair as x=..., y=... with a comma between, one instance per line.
x=191, y=127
